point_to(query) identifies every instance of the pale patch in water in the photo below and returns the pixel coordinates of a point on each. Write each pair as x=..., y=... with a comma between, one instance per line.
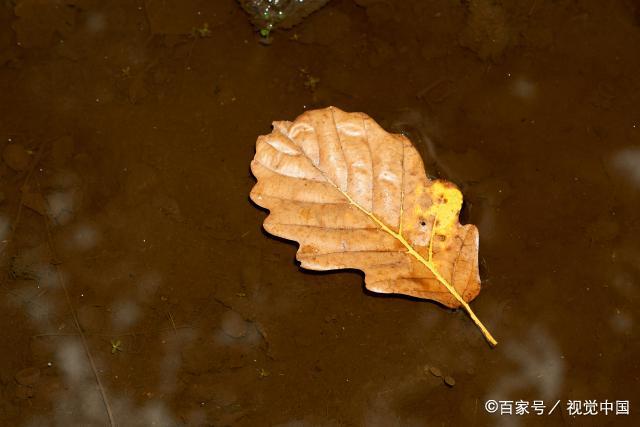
x=540, y=366
x=627, y=162
x=85, y=237
x=125, y=314
x=523, y=88
x=96, y=23
x=61, y=205
x=621, y=322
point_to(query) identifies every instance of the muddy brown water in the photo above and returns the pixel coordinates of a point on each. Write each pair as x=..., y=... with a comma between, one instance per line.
x=127, y=138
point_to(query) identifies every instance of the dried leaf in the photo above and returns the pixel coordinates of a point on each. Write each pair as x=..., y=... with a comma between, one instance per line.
x=355, y=196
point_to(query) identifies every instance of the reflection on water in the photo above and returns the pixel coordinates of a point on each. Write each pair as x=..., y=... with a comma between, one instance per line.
x=539, y=367
x=627, y=163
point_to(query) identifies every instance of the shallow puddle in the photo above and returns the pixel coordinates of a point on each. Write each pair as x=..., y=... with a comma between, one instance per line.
x=127, y=129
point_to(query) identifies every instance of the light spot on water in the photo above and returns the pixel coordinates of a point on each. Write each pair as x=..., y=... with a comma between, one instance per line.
x=96, y=23
x=540, y=366
x=61, y=205
x=125, y=314
x=73, y=362
x=621, y=322
x=627, y=163
x=523, y=88
x=156, y=414
x=85, y=236
x=626, y=286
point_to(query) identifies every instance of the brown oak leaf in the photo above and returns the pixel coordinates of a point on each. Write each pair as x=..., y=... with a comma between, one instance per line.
x=354, y=196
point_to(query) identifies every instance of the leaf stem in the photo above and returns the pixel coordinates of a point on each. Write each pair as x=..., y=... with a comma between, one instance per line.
x=444, y=282
x=430, y=266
